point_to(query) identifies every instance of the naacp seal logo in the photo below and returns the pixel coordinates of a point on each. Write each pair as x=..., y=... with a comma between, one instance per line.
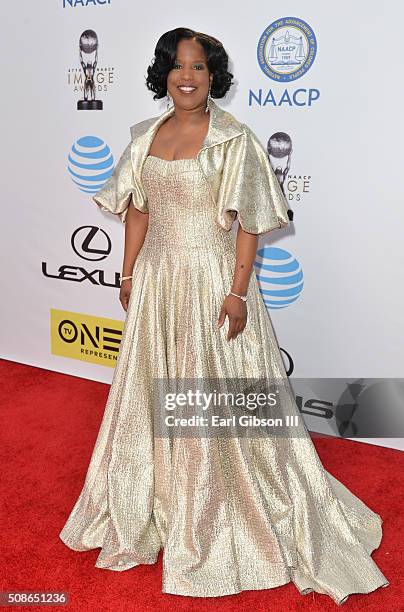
x=286, y=49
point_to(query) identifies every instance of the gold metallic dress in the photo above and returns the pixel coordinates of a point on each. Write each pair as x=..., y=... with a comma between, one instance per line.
x=230, y=514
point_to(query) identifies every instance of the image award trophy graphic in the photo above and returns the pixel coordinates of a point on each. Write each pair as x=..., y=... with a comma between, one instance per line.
x=280, y=146
x=88, y=44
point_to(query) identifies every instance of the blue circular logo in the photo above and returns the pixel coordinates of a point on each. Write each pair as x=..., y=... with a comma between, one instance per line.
x=279, y=276
x=286, y=49
x=90, y=163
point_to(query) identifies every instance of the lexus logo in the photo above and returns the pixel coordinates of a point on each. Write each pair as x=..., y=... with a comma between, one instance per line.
x=91, y=243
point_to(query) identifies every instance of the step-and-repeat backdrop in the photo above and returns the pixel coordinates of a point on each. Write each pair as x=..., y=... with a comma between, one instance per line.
x=322, y=89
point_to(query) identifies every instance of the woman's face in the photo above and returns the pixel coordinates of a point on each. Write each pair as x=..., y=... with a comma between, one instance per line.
x=190, y=70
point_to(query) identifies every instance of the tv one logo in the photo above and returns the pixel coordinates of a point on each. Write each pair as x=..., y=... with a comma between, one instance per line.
x=85, y=337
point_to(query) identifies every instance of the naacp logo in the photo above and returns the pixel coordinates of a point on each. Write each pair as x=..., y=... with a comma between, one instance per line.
x=286, y=49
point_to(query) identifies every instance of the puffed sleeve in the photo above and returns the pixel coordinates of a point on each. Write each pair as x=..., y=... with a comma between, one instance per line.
x=249, y=187
x=120, y=189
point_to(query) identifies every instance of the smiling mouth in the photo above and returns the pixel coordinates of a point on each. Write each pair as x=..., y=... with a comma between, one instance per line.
x=187, y=89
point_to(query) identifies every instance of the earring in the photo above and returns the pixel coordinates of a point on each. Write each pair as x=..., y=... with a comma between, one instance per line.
x=168, y=100
x=207, y=101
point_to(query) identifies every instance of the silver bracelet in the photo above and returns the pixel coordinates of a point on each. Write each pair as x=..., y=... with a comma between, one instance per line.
x=243, y=297
x=121, y=278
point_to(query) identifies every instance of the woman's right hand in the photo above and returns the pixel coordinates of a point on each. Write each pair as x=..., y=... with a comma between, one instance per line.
x=124, y=293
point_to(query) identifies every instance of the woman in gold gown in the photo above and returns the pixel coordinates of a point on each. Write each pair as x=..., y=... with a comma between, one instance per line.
x=231, y=513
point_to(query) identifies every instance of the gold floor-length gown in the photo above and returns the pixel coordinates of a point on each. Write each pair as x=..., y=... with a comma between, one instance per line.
x=231, y=514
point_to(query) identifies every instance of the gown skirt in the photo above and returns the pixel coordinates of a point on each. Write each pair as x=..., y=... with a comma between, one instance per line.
x=231, y=513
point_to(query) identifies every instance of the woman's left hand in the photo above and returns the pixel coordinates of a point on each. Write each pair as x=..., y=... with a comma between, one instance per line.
x=236, y=310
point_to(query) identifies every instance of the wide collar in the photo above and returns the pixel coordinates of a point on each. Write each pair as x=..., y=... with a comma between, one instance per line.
x=223, y=126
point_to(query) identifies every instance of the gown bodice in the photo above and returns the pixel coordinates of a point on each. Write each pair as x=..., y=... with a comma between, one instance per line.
x=181, y=208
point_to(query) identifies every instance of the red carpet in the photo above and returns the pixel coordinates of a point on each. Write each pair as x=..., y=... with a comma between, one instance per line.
x=49, y=423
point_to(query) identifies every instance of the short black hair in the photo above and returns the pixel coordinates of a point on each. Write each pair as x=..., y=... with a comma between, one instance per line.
x=164, y=56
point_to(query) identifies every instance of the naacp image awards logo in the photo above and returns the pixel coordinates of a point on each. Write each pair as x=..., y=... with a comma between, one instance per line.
x=286, y=49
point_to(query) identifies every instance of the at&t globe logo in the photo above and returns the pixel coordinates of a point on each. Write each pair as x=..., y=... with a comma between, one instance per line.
x=286, y=49
x=279, y=276
x=90, y=163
